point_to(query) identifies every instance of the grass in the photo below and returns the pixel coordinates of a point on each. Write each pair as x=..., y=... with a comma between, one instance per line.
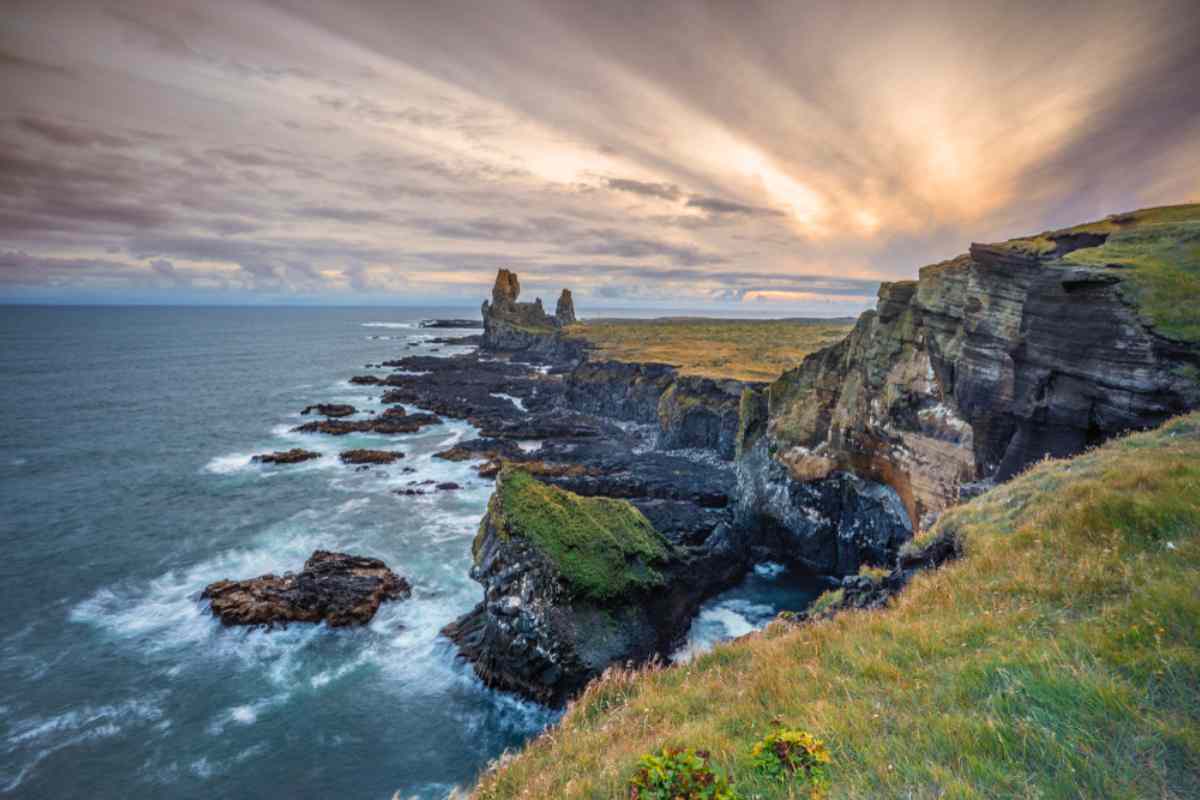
x=747, y=350
x=603, y=548
x=1059, y=658
x=1156, y=252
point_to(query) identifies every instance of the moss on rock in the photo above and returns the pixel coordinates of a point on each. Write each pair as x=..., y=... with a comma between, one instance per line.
x=603, y=548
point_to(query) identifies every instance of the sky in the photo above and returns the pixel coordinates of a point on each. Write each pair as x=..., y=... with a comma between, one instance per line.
x=774, y=156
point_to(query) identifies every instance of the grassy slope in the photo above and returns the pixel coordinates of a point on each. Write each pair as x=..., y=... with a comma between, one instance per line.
x=749, y=350
x=602, y=547
x=1157, y=251
x=1059, y=658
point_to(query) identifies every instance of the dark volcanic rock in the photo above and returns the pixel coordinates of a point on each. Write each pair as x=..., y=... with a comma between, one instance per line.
x=393, y=421
x=510, y=326
x=701, y=413
x=362, y=456
x=366, y=380
x=330, y=409
x=485, y=449
x=618, y=389
x=335, y=588
x=564, y=310
x=830, y=526
x=544, y=635
x=293, y=456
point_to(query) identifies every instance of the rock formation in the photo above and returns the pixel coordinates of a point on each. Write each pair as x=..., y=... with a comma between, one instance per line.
x=330, y=409
x=987, y=363
x=361, y=456
x=293, y=456
x=573, y=584
x=564, y=310
x=510, y=325
x=334, y=588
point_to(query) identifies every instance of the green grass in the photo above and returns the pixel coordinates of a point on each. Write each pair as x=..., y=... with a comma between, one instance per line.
x=748, y=350
x=1058, y=658
x=1155, y=251
x=1160, y=265
x=603, y=548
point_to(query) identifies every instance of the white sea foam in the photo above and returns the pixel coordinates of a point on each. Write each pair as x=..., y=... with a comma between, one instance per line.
x=230, y=463
x=389, y=325
x=769, y=569
x=516, y=401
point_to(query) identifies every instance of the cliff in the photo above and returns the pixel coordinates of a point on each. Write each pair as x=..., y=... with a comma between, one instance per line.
x=1010, y=353
x=1055, y=658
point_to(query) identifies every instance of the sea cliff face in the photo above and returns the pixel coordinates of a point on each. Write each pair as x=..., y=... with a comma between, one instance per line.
x=986, y=364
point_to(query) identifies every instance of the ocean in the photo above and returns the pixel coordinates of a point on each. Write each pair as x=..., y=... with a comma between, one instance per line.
x=126, y=486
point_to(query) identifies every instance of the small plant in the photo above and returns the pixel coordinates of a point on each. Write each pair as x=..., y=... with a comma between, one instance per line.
x=793, y=755
x=675, y=774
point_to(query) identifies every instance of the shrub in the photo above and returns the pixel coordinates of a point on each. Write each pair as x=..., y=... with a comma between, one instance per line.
x=793, y=755
x=676, y=774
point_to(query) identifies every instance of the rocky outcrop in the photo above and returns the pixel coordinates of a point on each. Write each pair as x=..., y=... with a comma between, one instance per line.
x=987, y=363
x=573, y=584
x=334, y=588
x=618, y=389
x=361, y=456
x=564, y=310
x=293, y=456
x=330, y=409
x=510, y=325
x=393, y=421
x=700, y=413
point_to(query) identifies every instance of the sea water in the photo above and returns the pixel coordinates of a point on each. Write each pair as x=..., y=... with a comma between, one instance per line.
x=126, y=486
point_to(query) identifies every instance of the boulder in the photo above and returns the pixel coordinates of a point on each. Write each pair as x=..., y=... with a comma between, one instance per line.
x=293, y=456
x=361, y=456
x=334, y=588
x=330, y=409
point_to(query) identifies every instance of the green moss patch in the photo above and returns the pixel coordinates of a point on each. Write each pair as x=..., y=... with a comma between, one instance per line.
x=603, y=548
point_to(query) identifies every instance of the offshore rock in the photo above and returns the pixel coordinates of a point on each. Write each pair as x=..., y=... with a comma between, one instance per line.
x=362, y=456
x=293, y=456
x=334, y=588
x=392, y=421
x=330, y=409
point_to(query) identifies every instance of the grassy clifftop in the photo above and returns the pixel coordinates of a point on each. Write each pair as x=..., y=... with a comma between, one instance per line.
x=1060, y=657
x=1155, y=251
x=742, y=349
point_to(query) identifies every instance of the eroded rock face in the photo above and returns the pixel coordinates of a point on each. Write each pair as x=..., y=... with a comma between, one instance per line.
x=700, y=413
x=539, y=634
x=293, y=456
x=509, y=325
x=334, y=588
x=984, y=365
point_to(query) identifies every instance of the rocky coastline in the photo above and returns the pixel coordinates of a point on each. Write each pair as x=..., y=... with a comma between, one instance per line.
x=627, y=494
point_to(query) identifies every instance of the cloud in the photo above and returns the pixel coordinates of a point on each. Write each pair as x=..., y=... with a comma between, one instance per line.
x=664, y=191
x=717, y=152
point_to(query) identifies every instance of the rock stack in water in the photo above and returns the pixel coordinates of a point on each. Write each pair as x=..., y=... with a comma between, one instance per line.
x=334, y=588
